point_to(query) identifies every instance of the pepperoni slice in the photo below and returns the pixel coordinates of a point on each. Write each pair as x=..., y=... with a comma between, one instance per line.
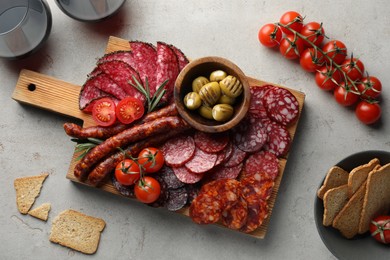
x=236, y=216
x=253, y=187
x=257, y=213
x=279, y=139
x=184, y=175
x=263, y=162
x=211, y=143
x=201, y=162
x=178, y=151
x=205, y=209
x=236, y=158
x=250, y=136
x=281, y=105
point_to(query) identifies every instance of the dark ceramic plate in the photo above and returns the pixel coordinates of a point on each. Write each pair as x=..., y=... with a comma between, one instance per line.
x=362, y=246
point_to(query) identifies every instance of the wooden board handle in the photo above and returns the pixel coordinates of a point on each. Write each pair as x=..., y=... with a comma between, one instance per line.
x=49, y=93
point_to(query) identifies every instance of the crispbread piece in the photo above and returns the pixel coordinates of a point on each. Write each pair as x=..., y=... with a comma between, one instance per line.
x=377, y=197
x=27, y=190
x=347, y=221
x=359, y=175
x=41, y=212
x=334, y=201
x=335, y=177
x=77, y=231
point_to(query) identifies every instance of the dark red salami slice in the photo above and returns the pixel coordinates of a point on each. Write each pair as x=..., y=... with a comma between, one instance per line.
x=263, y=162
x=201, y=162
x=257, y=213
x=224, y=155
x=236, y=216
x=257, y=94
x=164, y=194
x=252, y=188
x=205, y=209
x=177, y=199
x=184, y=175
x=183, y=61
x=124, y=56
x=106, y=84
x=236, y=158
x=127, y=191
x=281, y=105
x=167, y=67
x=170, y=178
x=279, y=139
x=250, y=136
x=211, y=143
x=223, y=172
x=178, y=151
x=193, y=191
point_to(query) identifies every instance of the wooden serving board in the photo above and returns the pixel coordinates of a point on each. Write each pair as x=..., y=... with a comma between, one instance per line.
x=61, y=97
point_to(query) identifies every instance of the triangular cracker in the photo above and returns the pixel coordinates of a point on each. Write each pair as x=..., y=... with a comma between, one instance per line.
x=359, y=175
x=334, y=201
x=335, y=177
x=41, y=212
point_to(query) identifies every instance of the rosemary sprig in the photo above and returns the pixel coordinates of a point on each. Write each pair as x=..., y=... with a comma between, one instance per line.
x=85, y=145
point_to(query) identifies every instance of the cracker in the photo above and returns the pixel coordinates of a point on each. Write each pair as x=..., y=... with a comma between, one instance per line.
x=334, y=201
x=335, y=177
x=359, y=175
x=41, y=212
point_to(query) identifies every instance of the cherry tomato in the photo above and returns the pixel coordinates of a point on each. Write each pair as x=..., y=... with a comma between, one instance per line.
x=380, y=229
x=368, y=113
x=291, y=47
x=127, y=172
x=354, y=68
x=292, y=19
x=151, y=159
x=328, y=78
x=311, y=60
x=129, y=109
x=147, y=190
x=370, y=87
x=344, y=96
x=270, y=35
x=314, y=33
x=103, y=112
x=336, y=50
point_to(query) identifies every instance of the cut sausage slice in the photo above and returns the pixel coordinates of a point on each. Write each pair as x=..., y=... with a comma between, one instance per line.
x=177, y=199
x=223, y=172
x=236, y=158
x=178, y=151
x=170, y=178
x=257, y=213
x=184, y=175
x=235, y=216
x=205, y=209
x=211, y=143
x=250, y=136
x=279, y=139
x=201, y=162
x=263, y=162
x=124, y=56
x=183, y=61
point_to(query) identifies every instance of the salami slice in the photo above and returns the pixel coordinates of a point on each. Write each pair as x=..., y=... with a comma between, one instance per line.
x=183, y=61
x=228, y=191
x=263, y=162
x=257, y=94
x=170, y=178
x=178, y=151
x=127, y=191
x=252, y=188
x=201, y=162
x=224, y=155
x=192, y=191
x=236, y=158
x=236, y=216
x=177, y=199
x=211, y=143
x=257, y=213
x=103, y=82
x=164, y=194
x=281, y=105
x=167, y=68
x=279, y=139
x=223, y=172
x=184, y=175
x=124, y=56
x=205, y=209
x=250, y=136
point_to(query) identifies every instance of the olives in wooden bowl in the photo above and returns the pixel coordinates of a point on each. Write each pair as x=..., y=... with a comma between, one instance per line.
x=212, y=94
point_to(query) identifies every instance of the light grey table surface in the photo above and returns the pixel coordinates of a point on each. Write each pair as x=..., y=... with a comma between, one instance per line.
x=33, y=141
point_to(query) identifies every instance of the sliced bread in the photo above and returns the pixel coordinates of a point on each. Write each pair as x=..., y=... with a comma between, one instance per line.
x=334, y=201
x=359, y=175
x=77, y=231
x=27, y=190
x=335, y=177
x=41, y=212
x=377, y=196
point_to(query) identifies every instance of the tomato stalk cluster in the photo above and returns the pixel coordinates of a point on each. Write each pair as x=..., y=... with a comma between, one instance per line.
x=334, y=71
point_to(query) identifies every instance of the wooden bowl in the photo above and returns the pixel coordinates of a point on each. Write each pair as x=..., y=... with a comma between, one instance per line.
x=203, y=67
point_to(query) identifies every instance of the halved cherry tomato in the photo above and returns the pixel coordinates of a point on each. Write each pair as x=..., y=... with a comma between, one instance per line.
x=151, y=159
x=291, y=47
x=328, y=78
x=292, y=19
x=380, y=229
x=368, y=113
x=127, y=172
x=270, y=35
x=103, y=111
x=336, y=50
x=129, y=109
x=370, y=87
x=314, y=33
x=354, y=68
x=344, y=96
x=311, y=60
x=147, y=190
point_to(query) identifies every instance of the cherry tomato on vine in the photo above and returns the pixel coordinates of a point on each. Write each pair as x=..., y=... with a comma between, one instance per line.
x=292, y=19
x=291, y=47
x=129, y=109
x=270, y=35
x=311, y=60
x=147, y=190
x=103, y=112
x=380, y=229
x=354, y=68
x=127, y=172
x=314, y=33
x=336, y=50
x=368, y=113
x=328, y=78
x=151, y=159
x=370, y=87
x=344, y=96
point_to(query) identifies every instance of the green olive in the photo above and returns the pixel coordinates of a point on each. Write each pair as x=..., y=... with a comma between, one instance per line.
x=231, y=86
x=192, y=101
x=224, y=99
x=222, y=112
x=210, y=93
x=198, y=83
x=206, y=111
x=217, y=75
